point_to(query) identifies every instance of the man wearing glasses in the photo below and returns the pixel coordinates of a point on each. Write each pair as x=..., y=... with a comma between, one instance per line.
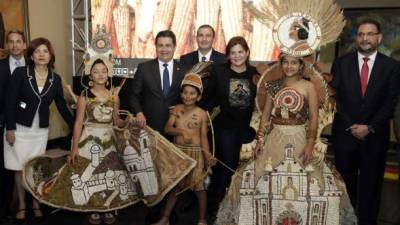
x=366, y=84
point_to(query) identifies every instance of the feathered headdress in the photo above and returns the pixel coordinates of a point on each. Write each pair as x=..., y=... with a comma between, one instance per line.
x=193, y=77
x=322, y=22
x=100, y=48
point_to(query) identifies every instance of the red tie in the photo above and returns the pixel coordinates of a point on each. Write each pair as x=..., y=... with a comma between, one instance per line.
x=364, y=75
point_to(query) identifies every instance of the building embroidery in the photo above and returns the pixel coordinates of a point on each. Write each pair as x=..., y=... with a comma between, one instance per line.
x=288, y=194
x=138, y=178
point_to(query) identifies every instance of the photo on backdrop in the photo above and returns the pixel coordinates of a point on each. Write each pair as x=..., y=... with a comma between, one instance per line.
x=133, y=25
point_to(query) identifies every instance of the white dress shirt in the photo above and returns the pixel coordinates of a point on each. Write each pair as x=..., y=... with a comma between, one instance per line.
x=170, y=70
x=208, y=56
x=13, y=64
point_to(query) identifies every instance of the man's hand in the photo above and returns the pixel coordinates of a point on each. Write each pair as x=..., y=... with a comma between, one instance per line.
x=10, y=137
x=141, y=119
x=360, y=131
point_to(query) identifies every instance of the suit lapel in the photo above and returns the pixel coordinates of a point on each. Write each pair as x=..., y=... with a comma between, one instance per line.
x=355, y=74
x=195, y=58
x=48, y=84
x=373, y=77
x=8, y=66
x=212, y=57
x=175, y=79
x=32, y=80
x=156, y=77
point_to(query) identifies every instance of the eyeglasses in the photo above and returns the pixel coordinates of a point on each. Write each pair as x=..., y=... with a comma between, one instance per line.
x=368, y=35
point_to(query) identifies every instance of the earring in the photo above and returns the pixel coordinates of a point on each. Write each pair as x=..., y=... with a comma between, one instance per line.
x=107, y=83
x=90, y=83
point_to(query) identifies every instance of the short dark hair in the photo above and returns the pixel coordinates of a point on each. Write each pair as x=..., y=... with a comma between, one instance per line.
x=238, y=40
x=98, y=61
x=35, y=43
x=206, y=26
x=369, y=20
x=166, y=33
x=20, y=33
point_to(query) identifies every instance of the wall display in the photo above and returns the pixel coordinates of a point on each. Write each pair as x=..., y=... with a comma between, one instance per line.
x=133, y=25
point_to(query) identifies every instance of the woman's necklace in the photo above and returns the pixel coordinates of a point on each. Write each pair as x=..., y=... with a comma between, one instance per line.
x=42, y=76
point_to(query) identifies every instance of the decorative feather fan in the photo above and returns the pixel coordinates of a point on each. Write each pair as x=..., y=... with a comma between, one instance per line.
x=202, y=69
x=325, y=15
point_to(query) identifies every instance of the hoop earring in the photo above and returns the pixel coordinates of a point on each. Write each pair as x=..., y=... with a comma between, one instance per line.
x=90, y=83
x=107, y=83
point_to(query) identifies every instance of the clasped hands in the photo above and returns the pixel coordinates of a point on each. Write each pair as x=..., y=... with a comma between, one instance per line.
x=359, y=131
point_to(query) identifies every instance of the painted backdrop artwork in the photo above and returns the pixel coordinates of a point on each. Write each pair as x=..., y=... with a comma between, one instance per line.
x=390, y=27
x=134, y=24
x=13, y=15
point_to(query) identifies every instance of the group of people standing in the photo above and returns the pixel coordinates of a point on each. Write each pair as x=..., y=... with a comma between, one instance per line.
x=365, y=84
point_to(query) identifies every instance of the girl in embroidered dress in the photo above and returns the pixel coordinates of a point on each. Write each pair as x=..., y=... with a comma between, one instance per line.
x=283, y=182
x=96, y=113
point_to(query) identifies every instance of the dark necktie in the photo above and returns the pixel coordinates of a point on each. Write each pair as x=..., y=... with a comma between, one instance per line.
x=165, y=79
x=364, y=75
x=203, y=58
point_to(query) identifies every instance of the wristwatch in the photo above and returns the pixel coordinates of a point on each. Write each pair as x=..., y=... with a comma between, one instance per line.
x=371, y=129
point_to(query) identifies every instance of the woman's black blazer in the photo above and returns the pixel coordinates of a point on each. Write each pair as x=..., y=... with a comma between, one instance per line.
x=23, y=99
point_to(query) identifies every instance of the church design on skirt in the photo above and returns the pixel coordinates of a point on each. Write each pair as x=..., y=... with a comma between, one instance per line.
x=138, y=177
x=287, y=194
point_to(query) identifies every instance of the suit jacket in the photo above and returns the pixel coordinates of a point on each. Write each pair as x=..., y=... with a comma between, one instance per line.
x=24, y=99
x=5, y=75
x=147, y=96
x=192, y=58
x=376, y=107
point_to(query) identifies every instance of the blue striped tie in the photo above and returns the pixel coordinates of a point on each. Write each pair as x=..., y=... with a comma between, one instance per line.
x=165, y=80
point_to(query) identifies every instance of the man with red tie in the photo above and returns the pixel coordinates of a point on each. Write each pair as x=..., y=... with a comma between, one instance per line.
x=366, y=84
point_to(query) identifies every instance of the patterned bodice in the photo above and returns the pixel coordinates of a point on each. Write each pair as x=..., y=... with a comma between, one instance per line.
x=290, y=107
x=99, y=111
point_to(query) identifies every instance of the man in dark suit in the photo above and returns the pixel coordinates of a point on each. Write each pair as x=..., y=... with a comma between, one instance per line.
x=156, y=85
x=15, y=44
x=366, y=84
x=204, y=38
x=154, y=89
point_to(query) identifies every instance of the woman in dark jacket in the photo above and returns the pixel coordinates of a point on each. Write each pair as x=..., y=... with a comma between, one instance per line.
x=231, y=87
x=31, y=90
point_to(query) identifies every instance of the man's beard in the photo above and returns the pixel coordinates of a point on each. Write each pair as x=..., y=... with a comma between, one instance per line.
x=368, y=50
